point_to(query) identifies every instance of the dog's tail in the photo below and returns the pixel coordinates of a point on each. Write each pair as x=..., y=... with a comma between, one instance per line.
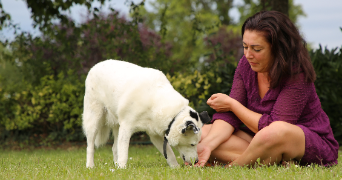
x=102, y=136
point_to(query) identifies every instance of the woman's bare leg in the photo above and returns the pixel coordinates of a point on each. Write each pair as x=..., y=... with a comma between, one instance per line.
x=231, y=149
x=276, y=142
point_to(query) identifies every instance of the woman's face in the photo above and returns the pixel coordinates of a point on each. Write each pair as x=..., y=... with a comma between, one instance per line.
x=257, y=50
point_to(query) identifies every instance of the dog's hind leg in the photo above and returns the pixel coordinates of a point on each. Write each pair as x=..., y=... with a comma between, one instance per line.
x=92, y=115
x=115, y=145
x=125, y=133
x=158, y=143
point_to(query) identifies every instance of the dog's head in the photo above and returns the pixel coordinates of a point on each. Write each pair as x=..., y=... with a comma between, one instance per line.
x=185, y=133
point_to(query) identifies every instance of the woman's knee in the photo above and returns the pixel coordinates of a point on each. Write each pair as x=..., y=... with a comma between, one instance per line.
x=272, y=135
x=281, y=138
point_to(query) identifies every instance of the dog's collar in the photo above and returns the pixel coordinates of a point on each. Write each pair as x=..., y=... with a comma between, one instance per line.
x=167, y=131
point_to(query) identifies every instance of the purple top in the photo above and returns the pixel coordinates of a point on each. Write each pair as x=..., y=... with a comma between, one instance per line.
x=294, y=101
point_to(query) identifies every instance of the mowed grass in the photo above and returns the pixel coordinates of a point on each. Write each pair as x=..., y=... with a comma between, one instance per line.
x=144, y=162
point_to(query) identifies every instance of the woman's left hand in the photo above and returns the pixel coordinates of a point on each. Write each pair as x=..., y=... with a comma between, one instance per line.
x=220, y=102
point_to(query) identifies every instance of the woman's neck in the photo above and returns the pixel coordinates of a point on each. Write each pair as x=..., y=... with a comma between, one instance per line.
x=264, y=77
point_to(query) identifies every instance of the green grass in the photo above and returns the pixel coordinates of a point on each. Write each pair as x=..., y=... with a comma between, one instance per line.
x=144, y=162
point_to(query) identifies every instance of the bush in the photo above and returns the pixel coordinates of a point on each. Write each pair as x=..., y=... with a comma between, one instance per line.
x=45, y=113
x=328, y=67
x=197, y=87
x=97, y=39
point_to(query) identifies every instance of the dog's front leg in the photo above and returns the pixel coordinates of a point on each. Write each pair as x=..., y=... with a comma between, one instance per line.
x=158, y=142
x=90, y=151
x=115, y=145
x=125, y=133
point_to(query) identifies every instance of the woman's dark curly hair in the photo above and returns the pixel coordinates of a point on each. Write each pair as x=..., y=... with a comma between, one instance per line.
x=288, y=48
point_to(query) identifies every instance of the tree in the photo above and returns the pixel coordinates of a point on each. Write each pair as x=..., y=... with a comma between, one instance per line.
x=190, y=23
x=279, y=5
x=99, y=38
x=223, y=8
x=44, y=11
x=4, y=17
x=186, y=24
x=288, y=7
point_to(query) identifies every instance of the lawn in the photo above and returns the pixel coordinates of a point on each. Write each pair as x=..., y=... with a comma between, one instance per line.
x=144, y=162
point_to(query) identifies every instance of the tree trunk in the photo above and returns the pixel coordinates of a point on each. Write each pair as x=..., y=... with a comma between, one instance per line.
x=276, y=5
x=223, y=7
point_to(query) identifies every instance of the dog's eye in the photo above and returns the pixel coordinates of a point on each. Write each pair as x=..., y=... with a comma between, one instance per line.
x=192, y=145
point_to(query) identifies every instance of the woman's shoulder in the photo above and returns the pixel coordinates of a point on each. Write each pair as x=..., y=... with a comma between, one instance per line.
x=298, y=80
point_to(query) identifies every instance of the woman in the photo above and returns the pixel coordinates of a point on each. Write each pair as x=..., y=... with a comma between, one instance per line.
x=274, y=97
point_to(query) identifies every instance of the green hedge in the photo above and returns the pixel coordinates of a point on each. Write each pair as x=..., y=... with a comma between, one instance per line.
x=49, y=112
x=328, y=67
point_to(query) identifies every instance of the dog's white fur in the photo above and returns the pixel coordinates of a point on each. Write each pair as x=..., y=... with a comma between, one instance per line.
x=127, y=98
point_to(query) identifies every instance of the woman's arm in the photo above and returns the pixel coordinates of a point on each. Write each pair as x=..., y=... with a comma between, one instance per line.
x=220, y=132
x=248, y=117
x=223, y=103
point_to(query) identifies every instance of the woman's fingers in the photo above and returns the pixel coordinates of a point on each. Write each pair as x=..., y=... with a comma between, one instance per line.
x=220, y=102
x=203, y=155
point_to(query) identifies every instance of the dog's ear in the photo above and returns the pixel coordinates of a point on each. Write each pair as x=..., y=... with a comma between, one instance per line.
x=204, y=117
x=190, y=125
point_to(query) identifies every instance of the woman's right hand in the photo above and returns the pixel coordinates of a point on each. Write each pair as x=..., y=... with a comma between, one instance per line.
x=203, y=152
x=220, y=102
x=212, y=136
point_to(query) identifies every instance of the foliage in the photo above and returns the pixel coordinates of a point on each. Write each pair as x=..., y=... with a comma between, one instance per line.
x=250, y=7
x=144, y=162
x=79, y=48
x=185, y=24
x=4, y=18
x=189, y=25
x=328, y=67
x=217, y=77
x=51, y=111
x=279, y=5
x=224, y=45
x=194, y=87
x=43, y=17
x=10, y=75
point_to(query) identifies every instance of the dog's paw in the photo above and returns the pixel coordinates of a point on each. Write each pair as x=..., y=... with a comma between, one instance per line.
x=120, y=165
x=90, y=166
x=174, y=165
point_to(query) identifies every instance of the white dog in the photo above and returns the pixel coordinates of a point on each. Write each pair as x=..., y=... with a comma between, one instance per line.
x=127, y=98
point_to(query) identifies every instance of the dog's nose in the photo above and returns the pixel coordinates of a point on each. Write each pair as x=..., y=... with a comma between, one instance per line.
x=196, y=161
x=183, y=157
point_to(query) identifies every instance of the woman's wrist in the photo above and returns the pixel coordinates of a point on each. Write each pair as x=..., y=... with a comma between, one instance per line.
x=209, y=142
x=234, y=104
x=219, y=133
